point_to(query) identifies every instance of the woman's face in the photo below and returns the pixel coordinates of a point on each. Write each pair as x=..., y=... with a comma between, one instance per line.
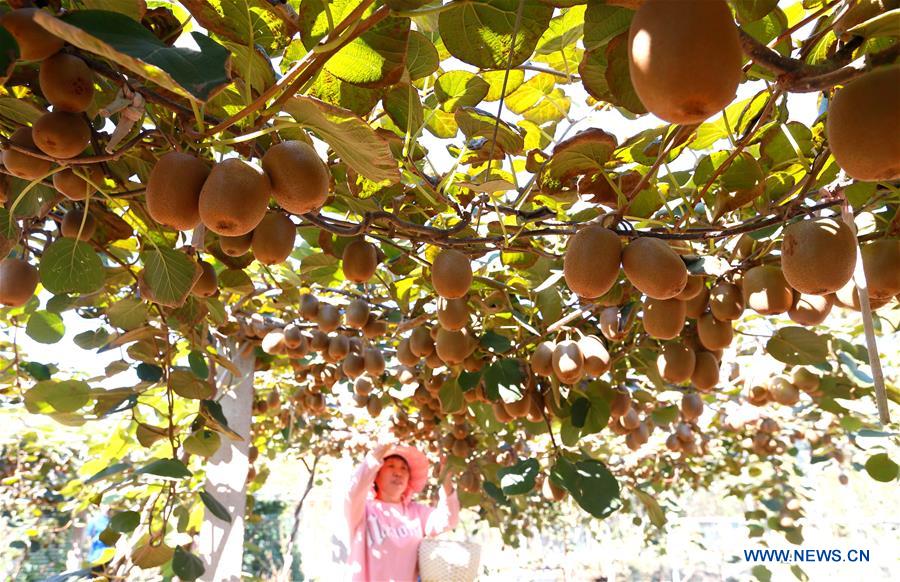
x=392, y=479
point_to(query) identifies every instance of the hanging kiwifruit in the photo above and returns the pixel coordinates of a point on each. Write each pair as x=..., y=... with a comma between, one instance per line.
x=18, y=281
x=328, y=317
x=234, y=198
x=696, y=306
x=451, y=274
x=453, y=314
x=805, y=380
x=881, y=264
x=691, y=406
x=654, y=268
x=542, y=358
x=374, y=361
x=591, y=263
x=695, y=284
x=405, y=355
x=20, y=164
x=236, y=246
x=298, y=176
x=453, y=347
x=675, y=362
x=726, y=301
x=71, y=225
x=67, y=82
x=621, y=403
x=860, y=121
x=74, y=187
x=818, y=256
x=663, y=318
x=766, y=291
x=568, y=362
x=309, y=306
x=173, y=191
x=810, y=309
x=34, y=41
x=596, y=357
x=357, y=313
x=706, y=371
x=684, y=58
x=273, y=238
x=207, y=284
x=783, y=392
x=61, y=134
x=714, y=334
x=420, y=342
x=359, y=261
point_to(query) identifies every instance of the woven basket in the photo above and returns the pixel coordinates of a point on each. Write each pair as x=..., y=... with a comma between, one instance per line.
x=448, y=561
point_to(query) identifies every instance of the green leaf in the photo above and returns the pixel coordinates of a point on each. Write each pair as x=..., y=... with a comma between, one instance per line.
x=495, y=492
x=618, y=76
x=798, y=346
x=71, y=266
x=881, y=468
x=665, y=415
x=587, y=151
x=149, y=372
x=127, y=313
x=91, y=339
x=603, y=23
x=484, y=33
x=47, y=397
x=45, y=327
x=495, y=342
x=170, y=275
x=167, y=468
x=495, y=80
x=590, y=483
x=475, y=123
x=505, y=373
x=351, y=137
x=654, y=511
x=885, y=24
x=468, y=380
x=203, y=442
x=580, y=411
x=211, y=411
x=12, y=108
x=761, y=573
x=235, y=280
x=186, y=566
x=107, y=472
x=9, y=54
x=377, y=58
x=519, y=478
x=751, y=10
x=451, y=397
x=37, y=370
x=187, y=385
x=459, y=89
x=215, y=507
x=421, y=57
x=197, y=361
x=121, y=40
x=125, y=521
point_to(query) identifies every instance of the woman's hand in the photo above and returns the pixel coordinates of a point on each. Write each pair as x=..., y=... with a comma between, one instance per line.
x=380, y=451
x=448, y=478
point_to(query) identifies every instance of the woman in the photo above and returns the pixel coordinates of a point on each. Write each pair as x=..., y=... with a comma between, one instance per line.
x=386, y=527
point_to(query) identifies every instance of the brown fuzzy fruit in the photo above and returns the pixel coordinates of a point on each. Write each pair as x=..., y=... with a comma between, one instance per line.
x=273, y=238
x=596, y=358
x=309, y=306
x=173, y=190
x=654, y=268
x=818, y=256
x=542, y=359
x=453, y=314
x=613, y=324
x=691, y=406
x=696, y=306
x=453, y=347
x=405, y=355
x=568, y=362
x=359, y=261
x=234, y=198
x=357, y=313
x=299, y=178
x=20, y=164
x=706, y=371
x=726, y=301
x=374, y=406
x=621, y=403
x=73, y=186
x=862, y=118
x=67, y=82
x=695, y=284
x=35, y=43
x=420, y=342
x=805, y=380
x=630, y=420
x=591, y=263
x=374, y=361
x=766, y=291
x=783, y=392
x=338, y=348
x=451, y=274
x=664, y=318
x=810, y=309
x=675, y=362
x=328, y=317
x=881, y=263
x=61, y=134
x=685, y=58
x=18, y=280
x=71, y=225
x=236, y=246
x=714, y=334
x=207, y=284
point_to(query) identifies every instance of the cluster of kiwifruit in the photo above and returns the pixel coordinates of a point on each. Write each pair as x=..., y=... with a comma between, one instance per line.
x=784, y=390
x=669, y=42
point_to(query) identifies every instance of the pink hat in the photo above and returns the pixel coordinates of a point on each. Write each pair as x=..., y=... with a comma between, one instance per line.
x=418, y=468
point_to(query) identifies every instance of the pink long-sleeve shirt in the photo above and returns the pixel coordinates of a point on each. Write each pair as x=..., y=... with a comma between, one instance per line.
x=385, y=537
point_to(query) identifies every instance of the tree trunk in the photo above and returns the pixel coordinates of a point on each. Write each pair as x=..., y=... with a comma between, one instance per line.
x=221, y=544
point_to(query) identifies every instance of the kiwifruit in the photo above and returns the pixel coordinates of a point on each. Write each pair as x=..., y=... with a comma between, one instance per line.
x=714, y=334
x=405, y=355
x=818, y=255
x=804, y=380
x=173, y=191
x=328, y=317
x=20, y=164
x=621, y=403
x=726, y=301
x=359, y=261
x=234, y=198
x=551, y=491
x=500, y=412
x=273, y=238
x=236, y=246
x=848, y=297
x=357, y=313
x=309, y=307
x=695, y=284
x=353, y=365
x=675, y=362
x=596, y=358
x=207, y=284
x=810, y=309
x=374, y=361
x=691, y=406
x=536, y=411
x=766, y=291
x=663, y=318
x=519, y=408
x=298, y=176
x=568, y=362
x=374, y=327
x=881, y=264
x=61, y=134
x=18, y=280
x=654, y=268
x=433, y=361
x=374, y=406
x=71, y=225
x=338, y=348
x=696, y=306
x=273, y=343
x=673, y=444
x=473, y=364
x=67, y=82
x=420, y=342
x=706, y=371
x=671, y=42
x=453, y=347
x=68, y=183
x=542, y=358
x=453, y=314
x=630, y=420
x=591, y=263
x=783, y=392
x=614, y=324
x=859, y=118
x=363, y=386
x=35, y=42
x=451, y=274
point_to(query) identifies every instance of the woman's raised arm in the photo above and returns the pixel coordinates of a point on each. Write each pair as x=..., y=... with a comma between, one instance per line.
x=361, y=483
x=446, y=515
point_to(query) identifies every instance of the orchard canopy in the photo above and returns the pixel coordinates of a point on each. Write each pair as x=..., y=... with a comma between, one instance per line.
x=600, y=249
